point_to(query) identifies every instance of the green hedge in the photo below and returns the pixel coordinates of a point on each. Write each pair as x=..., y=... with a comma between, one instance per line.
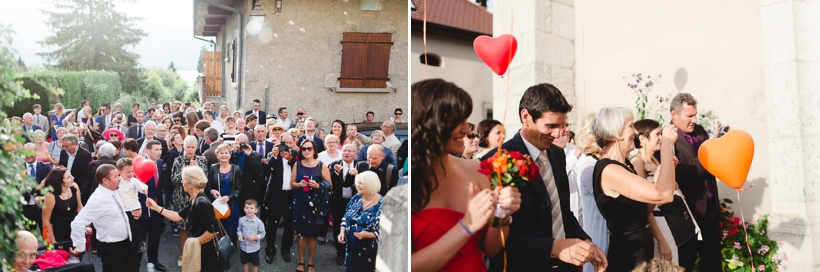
x=98, y=87
x=26, y=105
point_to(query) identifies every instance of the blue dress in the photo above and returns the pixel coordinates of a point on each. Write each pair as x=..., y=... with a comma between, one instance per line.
x=361, y=253
x=306, y=204
x=59, y=124
x=232, y=222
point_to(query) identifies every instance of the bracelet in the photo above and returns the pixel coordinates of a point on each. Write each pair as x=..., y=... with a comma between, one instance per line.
x=163, y=209
x=465, y=227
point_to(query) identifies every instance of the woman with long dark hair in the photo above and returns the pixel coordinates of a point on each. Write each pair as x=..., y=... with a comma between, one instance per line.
x=309, y=181
x=61, y=204
x=489, y=133
x=452, y=203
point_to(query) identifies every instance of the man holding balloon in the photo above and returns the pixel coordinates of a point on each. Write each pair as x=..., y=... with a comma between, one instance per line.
x=698, y=185
x=149, y=171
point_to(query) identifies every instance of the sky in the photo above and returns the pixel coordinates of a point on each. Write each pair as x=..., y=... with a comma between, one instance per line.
x=168, y=23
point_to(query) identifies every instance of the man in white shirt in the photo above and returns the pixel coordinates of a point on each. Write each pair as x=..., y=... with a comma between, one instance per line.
x=105, y=210
x=389, y=129
x=279, y=198
x=342, y=175
x=283, y=118
x=209, y=116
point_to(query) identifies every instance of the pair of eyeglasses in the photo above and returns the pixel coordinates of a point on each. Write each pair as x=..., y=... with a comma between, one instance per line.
x=176, y=120
x=307, y=148
x=472, y=136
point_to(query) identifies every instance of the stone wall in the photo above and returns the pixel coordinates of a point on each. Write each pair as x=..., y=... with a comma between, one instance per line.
x=297, y=55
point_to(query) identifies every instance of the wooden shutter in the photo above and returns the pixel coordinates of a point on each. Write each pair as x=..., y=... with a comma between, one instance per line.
x=365, y=60
x=212, y=73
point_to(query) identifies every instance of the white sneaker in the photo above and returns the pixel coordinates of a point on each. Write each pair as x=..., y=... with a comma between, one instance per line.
x=179, y=262
x=150, y=267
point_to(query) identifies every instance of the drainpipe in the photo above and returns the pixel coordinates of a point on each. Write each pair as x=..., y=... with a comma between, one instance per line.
x=213, y=44
x=239, y=47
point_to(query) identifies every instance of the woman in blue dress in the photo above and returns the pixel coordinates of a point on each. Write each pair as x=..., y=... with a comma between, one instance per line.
x=311, y=200
x=360, y=224
x=224, y=184
x=57, y=119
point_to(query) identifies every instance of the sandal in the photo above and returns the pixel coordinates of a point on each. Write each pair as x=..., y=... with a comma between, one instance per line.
x=311, y=266
x=303, y=267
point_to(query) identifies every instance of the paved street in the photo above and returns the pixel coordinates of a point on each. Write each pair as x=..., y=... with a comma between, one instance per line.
x=169, y=251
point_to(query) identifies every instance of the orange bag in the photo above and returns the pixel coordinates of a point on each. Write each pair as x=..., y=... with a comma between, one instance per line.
x=222, y=216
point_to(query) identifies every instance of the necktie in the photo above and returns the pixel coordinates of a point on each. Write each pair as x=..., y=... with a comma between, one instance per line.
x=261, y=148
x=38, y=119
x=31, y=171
x=552, y=190
x=139, y=131
x=156, y=182
x=122, y=211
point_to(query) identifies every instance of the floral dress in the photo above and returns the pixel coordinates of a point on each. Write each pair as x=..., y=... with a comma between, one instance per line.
x=361, y=253
x=181, y=198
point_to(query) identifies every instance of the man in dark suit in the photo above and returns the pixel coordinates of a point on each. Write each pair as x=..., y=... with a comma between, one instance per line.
x=28, y=126
x=153, y=223
x=38, y=171
x=150, y=133
x=259, y=113
x=75, y=159
x=106, y=153
x=104, y=120
x=699, y=187
x=342, y=175
x=137, y=130
x=279, y=199
x=532, y=244
x=252, y=170
x=376, y=162
x=261, y=145
x=310, y=133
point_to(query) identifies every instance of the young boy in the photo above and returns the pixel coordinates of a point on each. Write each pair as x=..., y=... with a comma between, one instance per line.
x=129, y=186
x=250, y=231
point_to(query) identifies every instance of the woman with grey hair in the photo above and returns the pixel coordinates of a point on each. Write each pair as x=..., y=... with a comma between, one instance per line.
x=621, y=195
x=56, y=146
x=378, y=137
x=181, y=198
x=360, y=223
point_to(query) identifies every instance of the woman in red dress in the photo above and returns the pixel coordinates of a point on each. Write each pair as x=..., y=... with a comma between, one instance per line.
x=452, y=203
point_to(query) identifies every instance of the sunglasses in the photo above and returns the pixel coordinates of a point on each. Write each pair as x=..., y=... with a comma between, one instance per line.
x=397, y=113
x=307, y=148
x=472, y=136
x=113, y=135
x=277, y=129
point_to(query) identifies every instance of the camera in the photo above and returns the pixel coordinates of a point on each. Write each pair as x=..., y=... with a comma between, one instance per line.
x=300, y=113
x=186, y=161
x=283, y=148
x=243, y=146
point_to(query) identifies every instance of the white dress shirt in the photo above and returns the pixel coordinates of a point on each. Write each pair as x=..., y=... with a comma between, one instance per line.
x=70, y=162
x=347, y=192
x=104, y=210
x=286, y=175
x=286, y=123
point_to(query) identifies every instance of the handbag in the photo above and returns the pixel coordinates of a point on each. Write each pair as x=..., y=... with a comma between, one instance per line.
x=679, y=218
x=224, y=246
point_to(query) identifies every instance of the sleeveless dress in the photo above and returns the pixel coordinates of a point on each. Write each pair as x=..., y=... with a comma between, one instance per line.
x=304, y=218
x=61, y=216
x=232, y=222
x=427, y=226
x=630, y=241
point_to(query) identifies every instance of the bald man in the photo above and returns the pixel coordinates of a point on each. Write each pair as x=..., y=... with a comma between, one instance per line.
x=390, y=141
x=250, y=162
x=26, y=250
x=376, y=162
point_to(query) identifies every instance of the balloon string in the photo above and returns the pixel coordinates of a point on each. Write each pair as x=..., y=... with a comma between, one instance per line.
x=424, y=38
x=503, y=125
x=743, y=222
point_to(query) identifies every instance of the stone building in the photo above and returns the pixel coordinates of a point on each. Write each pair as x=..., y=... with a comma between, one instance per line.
x=752, y=63
x=290, y=54
x=452, y=25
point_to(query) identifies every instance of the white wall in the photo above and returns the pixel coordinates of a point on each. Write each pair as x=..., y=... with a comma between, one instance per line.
x=460, y=65
x=718, y=43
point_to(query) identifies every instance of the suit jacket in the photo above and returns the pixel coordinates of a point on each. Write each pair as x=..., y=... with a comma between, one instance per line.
x=91, y=186
x=320, y=145
x=155, y=190
x=140, y=141
x=34, y=127
x=41, y=170
x=44, y=124
x=390, y=158
x=341, y=180
x=381, y=171
x=274, y=192
x=210, y=153
x=693, y=179
x=132, y=132
x=268, y=148
x=252, y=174
x=102, y=123
x=80, y=167
x=530, y=241
x=262, y=115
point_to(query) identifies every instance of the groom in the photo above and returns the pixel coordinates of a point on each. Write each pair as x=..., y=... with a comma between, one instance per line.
x=544, y=235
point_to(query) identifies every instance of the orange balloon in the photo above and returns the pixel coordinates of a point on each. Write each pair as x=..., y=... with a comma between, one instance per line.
x=729, y=157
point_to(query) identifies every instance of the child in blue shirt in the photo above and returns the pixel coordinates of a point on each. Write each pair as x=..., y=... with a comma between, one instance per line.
x=250, y=231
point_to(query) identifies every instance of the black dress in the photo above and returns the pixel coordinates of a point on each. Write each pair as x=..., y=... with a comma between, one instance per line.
x=630, y=241
x=201, y=218
x=61, y=216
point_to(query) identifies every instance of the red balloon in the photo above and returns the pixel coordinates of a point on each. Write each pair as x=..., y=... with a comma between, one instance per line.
x=144, y=169
x=496, y=52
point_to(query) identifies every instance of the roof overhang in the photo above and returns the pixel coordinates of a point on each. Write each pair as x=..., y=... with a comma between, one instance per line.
x=208, y=20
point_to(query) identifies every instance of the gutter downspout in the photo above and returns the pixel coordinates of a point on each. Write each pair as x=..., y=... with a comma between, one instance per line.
x=241, y=45
x=213, y=44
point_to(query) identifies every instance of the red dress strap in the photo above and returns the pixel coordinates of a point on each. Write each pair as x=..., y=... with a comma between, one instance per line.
x=430, y=225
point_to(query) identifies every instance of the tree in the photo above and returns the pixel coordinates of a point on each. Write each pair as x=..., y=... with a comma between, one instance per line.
x=174, y=84
x=200, y=64
x=20, y=64
x=172, y=68
x=92, y=35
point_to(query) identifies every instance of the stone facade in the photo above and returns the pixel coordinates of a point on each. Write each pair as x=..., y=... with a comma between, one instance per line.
x=297, y=55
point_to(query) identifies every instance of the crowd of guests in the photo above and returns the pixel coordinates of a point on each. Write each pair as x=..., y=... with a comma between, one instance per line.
x=601, y=200
x=270, y=170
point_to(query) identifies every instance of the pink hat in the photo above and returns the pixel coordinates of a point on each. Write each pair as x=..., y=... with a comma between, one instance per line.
x=108, y=132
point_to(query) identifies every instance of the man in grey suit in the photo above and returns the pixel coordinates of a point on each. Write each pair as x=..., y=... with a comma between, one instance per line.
x=41, y=120
x=212, y=139
x=138, y=130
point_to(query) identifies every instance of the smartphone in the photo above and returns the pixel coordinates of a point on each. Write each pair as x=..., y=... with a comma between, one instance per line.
x=306, y=179
x=723, y=131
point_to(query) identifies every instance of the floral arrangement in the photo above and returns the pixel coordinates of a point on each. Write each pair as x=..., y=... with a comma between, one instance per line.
x=641, y=87
x=736, y=255
x=508, y=168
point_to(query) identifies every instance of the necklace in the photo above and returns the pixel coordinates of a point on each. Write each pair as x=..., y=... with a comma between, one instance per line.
x=368, y=203
x=67, y=207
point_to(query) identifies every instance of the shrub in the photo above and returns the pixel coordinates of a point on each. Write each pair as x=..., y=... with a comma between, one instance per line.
x=43, y=97
x=98, y=87
x=736, y=254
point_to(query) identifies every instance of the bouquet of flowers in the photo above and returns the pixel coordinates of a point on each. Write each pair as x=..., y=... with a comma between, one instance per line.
x=736, y=255
x=509, y=168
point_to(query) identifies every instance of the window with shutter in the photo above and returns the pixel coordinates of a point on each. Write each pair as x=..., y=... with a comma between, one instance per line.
x=365, y=60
